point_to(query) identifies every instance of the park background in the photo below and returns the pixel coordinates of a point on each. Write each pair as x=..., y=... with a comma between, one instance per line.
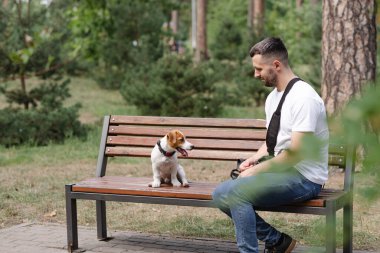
x=66, y=64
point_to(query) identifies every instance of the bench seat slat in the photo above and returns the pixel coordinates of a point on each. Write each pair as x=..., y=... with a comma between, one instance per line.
x=187, y=121
x=139, y=186
x=190, y=132
x=197, y=190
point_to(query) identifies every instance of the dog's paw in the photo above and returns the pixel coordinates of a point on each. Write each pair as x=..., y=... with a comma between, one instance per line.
x=185, y=183
x=155, y=184
x=176, y=183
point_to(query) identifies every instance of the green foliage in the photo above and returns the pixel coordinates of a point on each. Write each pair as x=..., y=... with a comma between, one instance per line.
x=48, y=121
x=301, y=29
x=115, y=35
x=359, y=125
x=228, y=35
x=249, y=89
x=220, y=13
x=31, y=44
x=228, y=43
x=49, y=95
x=174, y=86
x=36, y=127
x=31, y=38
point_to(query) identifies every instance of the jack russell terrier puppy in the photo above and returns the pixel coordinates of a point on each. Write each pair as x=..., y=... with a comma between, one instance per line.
x=166, y=168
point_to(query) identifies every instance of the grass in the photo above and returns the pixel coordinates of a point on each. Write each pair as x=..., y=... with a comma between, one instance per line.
x=32, y=183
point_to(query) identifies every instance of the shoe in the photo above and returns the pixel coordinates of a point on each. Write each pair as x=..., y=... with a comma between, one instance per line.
x=285, y=245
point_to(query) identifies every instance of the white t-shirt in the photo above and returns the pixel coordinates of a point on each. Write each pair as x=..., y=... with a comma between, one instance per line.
x=302, y=111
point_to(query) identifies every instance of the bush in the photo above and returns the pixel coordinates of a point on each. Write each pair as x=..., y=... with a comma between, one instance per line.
x=37, y=127
x=47, y=121
x=107, y=77
x=249, y=90
x=173, y=86
x=228, y=42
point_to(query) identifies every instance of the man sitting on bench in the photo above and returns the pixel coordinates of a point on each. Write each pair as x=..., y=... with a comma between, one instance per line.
x=300, y=112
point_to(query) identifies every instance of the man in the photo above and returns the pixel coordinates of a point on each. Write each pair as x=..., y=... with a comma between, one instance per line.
x=261, y=184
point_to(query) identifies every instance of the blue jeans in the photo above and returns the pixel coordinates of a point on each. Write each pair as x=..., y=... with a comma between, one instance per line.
x=238, y=199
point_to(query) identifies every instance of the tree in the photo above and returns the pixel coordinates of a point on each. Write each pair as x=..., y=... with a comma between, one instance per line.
x=348, y=50
x=115, y=35
x=201, y=49
x=174, y=87
x=31, y=46
x=299, y=3
x=301, y=29
x=255, y=20
x=258, y=17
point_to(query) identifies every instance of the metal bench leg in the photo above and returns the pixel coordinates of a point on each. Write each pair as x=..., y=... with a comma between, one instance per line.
x=331, y=227
x=347, y=228
x=101, y=220
x=71, y=219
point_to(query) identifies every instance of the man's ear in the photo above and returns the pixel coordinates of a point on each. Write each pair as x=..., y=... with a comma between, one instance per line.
x=277, y=64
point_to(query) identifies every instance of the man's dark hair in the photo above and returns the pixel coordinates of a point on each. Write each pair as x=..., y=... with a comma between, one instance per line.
x=271, y=47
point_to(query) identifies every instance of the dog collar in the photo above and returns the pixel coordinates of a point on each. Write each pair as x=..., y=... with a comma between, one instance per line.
x=165, y=153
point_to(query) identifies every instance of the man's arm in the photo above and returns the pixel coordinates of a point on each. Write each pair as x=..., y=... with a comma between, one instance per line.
x=285, y=157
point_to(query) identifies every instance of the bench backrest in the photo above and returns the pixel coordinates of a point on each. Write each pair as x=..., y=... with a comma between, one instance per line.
x=213, y=138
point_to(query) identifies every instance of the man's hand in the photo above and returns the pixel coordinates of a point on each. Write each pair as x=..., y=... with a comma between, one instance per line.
x=245, y=165
x=249, y=171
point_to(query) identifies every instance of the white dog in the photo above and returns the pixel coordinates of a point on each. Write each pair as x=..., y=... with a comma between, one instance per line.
x=166, y=168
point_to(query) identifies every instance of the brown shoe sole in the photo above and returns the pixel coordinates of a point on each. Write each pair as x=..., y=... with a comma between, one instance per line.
x=291, y=246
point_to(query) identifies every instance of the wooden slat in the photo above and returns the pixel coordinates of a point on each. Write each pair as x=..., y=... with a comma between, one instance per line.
x=198, y=143
x=202, y=154
x=139, y=187
x=336, y=160
x=194, y=154
x=199, y=132
x=197, y=190
x=338, y=149
x=187, y=121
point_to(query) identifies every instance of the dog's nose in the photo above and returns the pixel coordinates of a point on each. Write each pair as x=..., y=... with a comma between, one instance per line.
x=191, y=147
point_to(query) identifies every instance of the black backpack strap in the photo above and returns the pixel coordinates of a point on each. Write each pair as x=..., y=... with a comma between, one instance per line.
x=274, y=124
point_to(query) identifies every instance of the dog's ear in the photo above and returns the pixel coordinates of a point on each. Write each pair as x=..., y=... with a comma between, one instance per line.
x=179, y=135
x=171, y=137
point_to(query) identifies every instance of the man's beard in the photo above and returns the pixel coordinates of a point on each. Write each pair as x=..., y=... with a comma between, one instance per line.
x=271, y=80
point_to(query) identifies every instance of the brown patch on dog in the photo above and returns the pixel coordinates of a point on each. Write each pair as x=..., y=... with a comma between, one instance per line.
x=175, y=138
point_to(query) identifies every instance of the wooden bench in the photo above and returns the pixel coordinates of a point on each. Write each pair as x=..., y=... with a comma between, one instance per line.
x=214, y=139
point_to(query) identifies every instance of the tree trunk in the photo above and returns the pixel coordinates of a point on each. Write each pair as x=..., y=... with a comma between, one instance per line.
x=193, y=30
x=314, y=2
x=250, y=15
x=174, y=21
x=173, y=43
x=201, y=49
x=299, y=4
x=258, y=17
x=348, y=50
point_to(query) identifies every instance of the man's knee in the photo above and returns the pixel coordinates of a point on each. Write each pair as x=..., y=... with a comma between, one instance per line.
x=217, y=195
x=222, y=194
